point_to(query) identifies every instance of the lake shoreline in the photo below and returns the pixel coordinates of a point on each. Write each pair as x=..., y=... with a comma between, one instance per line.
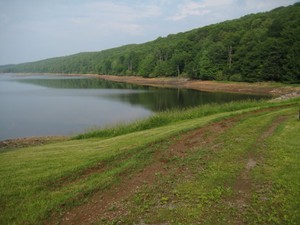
x=277, y=93
x=272, y=89
x=262, y=88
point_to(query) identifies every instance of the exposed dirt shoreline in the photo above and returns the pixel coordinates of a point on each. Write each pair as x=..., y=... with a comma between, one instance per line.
x=262, y=88
x=257, y=88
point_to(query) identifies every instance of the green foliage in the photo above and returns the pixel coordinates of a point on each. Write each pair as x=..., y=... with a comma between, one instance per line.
x=256, y=47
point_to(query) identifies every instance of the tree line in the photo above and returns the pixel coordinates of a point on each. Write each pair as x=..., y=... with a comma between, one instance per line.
x=256, y=47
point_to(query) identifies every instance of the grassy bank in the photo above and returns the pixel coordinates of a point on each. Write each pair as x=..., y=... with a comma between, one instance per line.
x=174, y=116
x=37, y=183
x=248, y=175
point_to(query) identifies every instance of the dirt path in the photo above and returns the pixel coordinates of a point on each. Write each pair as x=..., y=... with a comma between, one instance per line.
x=100, y=204
x=211, y=86
x=243, y=188
x=109, y=204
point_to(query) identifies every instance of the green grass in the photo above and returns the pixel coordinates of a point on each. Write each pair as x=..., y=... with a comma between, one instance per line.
x=38, y=181
x=173, y=116
x=208, y=196
x=277, y=200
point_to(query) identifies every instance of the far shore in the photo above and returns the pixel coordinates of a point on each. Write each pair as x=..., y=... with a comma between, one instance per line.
x=258, y=88
x=261, y=88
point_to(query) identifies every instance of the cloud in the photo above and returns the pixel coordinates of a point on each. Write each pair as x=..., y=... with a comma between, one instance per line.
x=4, y=18
x=265, y=5
x=112, y=17
x=122, y=12
x=189, y=9
x=197, y=8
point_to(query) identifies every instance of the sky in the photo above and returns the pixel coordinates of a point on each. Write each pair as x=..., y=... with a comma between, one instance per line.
x=32, y=30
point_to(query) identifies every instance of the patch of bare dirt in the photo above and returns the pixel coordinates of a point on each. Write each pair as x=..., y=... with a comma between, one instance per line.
x=100, y=205
x=195, y=139
x=68, y=180
x=108, y=204
x=80, y=175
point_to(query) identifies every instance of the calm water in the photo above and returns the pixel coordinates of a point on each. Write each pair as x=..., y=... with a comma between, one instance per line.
x=60, y=105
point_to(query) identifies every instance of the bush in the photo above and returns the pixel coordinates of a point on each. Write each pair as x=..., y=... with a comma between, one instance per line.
x=236, y=78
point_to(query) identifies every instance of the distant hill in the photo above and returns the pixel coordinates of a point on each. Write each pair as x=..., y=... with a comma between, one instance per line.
x=256, y=47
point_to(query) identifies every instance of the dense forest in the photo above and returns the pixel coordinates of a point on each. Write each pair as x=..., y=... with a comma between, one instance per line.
x=256, y=47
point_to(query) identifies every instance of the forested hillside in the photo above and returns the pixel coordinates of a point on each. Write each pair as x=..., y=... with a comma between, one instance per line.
x=256, y=47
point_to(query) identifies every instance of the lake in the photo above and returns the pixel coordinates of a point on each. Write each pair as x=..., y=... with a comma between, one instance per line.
x=39, y=105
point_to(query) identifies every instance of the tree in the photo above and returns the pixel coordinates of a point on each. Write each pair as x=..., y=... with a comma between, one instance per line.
x=147, y=65
x=256, y=47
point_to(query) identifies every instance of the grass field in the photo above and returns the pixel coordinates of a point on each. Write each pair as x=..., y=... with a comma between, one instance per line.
x=236, y=163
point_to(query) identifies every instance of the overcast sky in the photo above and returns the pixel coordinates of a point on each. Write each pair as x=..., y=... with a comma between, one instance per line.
x=31, y=30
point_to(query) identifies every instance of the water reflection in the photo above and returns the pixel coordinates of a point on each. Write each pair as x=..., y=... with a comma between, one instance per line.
x=162, y=99
x=64, y=105
x=71, y=82
x=154, y=99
